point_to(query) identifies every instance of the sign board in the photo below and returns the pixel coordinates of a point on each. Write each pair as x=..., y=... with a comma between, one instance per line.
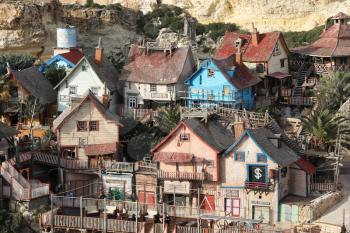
x=260, y=203
x=257, y=173
x=64, y=98
x=179, y=187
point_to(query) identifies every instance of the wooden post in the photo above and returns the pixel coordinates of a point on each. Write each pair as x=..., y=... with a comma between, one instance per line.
x=137, y=210
x=104, y=216
x=52, y=220
x=163, y=205
x=198, y=197
x=81, y=212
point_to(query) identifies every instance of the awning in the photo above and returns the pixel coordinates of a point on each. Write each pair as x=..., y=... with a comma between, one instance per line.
x=279, y=75
x=100, y=149
x=306, y=166
x=175, y=157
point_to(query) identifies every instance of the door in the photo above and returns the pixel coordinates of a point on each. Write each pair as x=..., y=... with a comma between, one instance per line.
x=148, y=198
x=261, y=213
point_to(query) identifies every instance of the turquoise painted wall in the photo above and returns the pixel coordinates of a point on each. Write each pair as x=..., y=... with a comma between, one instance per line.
x=208, y=86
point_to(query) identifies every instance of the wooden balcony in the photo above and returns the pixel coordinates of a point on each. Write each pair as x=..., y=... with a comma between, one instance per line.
x=259, y=186
x=322, y=187
x=181, y=175
x=298, y=101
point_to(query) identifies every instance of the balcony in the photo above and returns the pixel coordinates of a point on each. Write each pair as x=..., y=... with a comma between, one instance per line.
x=258, y=186
x=298, y=101
x=180, y=175
x=155, y=95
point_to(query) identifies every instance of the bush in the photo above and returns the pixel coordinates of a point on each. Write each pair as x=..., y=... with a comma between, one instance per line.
x=11, y=222
x=216, y=30
x=17, y=62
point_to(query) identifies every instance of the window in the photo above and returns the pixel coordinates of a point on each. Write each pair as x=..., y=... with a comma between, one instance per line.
x=153, y=87
x=184, y=137
x=210, y=163
x=260, y=68
x=93, y=125
x=200, y=79
x=239, y=156
x=210, y=73
x=95, y=90
x=132, y=102
x=226, y=90
x=170, y=87
x=277, y=50
x=232, y=206
x=282, y=63
x=343, y=61
x=260, y=157
x=82, y=126
x=72, y=90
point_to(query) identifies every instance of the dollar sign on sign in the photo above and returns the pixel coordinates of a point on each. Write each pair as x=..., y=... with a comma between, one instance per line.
x=258, y=174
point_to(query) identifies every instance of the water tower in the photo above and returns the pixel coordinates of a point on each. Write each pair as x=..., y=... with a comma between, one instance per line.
x=66, y=39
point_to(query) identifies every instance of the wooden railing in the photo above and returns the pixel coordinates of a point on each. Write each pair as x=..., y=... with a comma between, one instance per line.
x=119, y=166
x=180, y=175
x=298, y=101
x=319, y=68
x=322, y=187
x=258, y=186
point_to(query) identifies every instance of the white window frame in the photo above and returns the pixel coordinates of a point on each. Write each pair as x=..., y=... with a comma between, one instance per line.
x=184, y=137
x=153, y=87
x=73, y=88
x=134, y=101
x=95, y=90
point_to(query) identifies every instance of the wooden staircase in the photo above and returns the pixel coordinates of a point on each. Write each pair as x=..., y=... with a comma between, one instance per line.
x=303, y=74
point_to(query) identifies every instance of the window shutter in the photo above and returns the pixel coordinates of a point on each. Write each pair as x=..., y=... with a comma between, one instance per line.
x=97, y=125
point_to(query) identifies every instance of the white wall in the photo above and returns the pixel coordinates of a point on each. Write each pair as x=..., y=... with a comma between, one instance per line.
x=83, y=80
x=274, y=64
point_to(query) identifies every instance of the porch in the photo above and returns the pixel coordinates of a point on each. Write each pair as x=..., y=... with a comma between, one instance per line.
x=180, y=175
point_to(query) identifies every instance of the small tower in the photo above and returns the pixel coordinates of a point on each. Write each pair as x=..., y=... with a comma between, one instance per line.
x=190, y=26
x=340, y=18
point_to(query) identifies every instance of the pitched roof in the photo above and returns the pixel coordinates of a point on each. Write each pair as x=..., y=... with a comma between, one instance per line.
x=243, y=78
x=333, y=42
x=7, y=131
x=341, y=15
x=212, y=133
x=306, y=166
x=105, y=70
x=36, y=84
x=100, y=149
x=74, y=56
x=157, y=67
x=260, y=53
x=57, y=123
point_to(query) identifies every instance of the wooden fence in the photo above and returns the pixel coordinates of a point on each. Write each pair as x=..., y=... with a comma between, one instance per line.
x=322, y=187
x=180, y=175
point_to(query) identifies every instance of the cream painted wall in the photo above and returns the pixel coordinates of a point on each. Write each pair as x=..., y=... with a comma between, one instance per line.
x=274, y=64
x=196, y=147
x=83, y=80
x=69, y=136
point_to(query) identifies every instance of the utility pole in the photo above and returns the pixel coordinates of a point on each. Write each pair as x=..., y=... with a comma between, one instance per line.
x=337, y=154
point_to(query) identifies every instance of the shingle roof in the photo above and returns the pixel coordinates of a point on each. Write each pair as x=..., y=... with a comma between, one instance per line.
x=100, y=149
x=260, y=53
x=212, y=132
x=157, y=67
x=243, y=78
x=74, y=56
x=36, y=84
x=98, y=104
x=7, y=131
x=334, y=42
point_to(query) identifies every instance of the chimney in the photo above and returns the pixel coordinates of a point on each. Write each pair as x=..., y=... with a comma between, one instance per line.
x=239, y=56
x=238, y=128
x=105, y=100
x=255, y=36
x=99, y=52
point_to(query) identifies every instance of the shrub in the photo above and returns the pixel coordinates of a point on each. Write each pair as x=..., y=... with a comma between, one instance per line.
x=17, y=62
x=216, y=30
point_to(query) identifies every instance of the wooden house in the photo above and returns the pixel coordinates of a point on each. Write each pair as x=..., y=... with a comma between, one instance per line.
x=90, y=73
x=29, y=83
x=226, y=83
x=189, y=159
x=331, y=52
x=68, y=60
x=257, y=172
x=155, y=76
x=266, y=54
x=87, y=136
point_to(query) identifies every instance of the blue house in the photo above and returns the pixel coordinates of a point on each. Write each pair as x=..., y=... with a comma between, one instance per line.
x=67, y=60
x=225, y=83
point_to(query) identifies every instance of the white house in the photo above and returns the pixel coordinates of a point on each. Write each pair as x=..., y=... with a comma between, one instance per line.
x=155, y=76
x=96, y=74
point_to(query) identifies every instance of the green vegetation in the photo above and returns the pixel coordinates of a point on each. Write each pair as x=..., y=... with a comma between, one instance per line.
x=296, y=39
x=216, y=30
x=17, y=62
x=168, y=117
x=55, y=73
x=11, y=222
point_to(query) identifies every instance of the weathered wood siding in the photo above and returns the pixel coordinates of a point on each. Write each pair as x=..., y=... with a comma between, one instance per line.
x=274, y=64
x=69, y=136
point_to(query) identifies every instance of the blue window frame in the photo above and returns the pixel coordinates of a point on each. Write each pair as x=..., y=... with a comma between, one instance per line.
x=239, y=156
x=261, y=158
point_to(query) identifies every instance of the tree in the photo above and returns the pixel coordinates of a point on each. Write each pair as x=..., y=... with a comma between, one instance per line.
x=11, y=222
x=168, y=118
x=323, y=124
x=333, y=90
x=55, y=73
x=17, y=62
x=30, y=108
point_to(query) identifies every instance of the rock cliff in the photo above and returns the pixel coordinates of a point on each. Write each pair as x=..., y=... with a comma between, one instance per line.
x=284, y=15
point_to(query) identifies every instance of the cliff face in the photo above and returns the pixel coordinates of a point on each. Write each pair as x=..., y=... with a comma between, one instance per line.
x=284, y=15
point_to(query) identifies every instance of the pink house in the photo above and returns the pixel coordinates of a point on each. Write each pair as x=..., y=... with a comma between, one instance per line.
x=189, y=159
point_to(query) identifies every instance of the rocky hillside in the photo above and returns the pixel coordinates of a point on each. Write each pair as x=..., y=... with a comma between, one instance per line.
x=284, y=15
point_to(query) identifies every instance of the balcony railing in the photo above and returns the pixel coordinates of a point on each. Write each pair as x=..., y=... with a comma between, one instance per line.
x=180, y=175
x=298, y=101
x=157, y=95
x=258, y=186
